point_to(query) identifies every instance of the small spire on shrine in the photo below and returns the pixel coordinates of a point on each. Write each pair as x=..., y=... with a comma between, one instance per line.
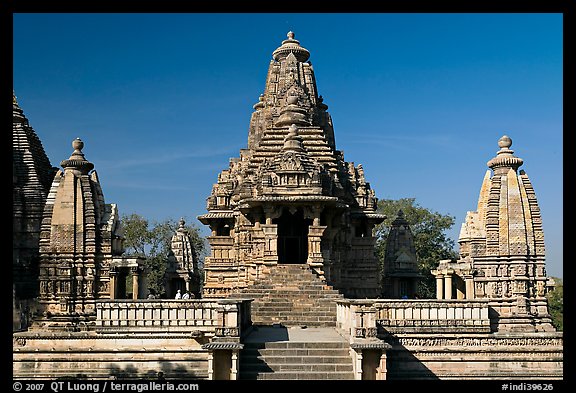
x=77, y=161
x=293, y=141
x=291, y=45
x=505, y=159
x=181, y=225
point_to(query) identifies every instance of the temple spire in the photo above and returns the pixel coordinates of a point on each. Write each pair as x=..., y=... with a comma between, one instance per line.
x=77, y=161
x=293, y=141
x=505, y=159
x=291, y=45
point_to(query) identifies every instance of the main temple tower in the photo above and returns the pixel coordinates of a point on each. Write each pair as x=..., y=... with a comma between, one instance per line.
x=291, y=198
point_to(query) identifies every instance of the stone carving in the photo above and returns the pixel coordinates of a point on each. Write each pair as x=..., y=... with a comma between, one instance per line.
x=291, y=164
x=400, y=271
x=503, y=244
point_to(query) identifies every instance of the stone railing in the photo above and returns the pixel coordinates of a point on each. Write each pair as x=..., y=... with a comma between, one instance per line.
x=374, y=317
x=222, y=318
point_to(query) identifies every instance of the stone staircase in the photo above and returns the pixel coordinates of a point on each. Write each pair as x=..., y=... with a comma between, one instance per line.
x=292, y=295
x=316, y=354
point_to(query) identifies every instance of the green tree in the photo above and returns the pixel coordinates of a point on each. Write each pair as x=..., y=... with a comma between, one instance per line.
x=431, y=242
x=152, y=241
x=556, y=304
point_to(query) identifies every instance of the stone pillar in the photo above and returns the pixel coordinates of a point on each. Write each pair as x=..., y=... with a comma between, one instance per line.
x=187, y=281
x=381, y=370
x=113, y=274
x=135, y=283
x=357, y=358
x=210, y=365
x=270, y=243
x=469, y=286
x=315, y=258
x=439, y=286
x=235, y=365
x=448, y=285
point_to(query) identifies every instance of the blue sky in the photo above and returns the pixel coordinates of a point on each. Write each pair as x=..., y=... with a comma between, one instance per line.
x=163, y=101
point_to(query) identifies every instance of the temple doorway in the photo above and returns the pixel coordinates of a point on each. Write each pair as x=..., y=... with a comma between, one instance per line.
x=292, y=237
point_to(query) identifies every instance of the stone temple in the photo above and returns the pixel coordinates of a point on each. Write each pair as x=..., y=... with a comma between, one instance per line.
x=290, y=198
x=292, y=287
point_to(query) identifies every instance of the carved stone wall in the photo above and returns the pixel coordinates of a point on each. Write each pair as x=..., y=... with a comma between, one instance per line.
x=502, y=254
x=291, y=170
x=79, y=237
x=32, y=174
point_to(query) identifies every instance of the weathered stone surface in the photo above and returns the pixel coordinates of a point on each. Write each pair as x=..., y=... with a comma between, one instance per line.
x=502, y=256
x=400, y=270
x=290, y=197
x=182, y=271
x=291, y=221
x=32, y=175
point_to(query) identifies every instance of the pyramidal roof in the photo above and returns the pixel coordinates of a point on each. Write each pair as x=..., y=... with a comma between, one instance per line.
x=32, y=171
x=291, y=98
x=291, y=130
x=507, y=221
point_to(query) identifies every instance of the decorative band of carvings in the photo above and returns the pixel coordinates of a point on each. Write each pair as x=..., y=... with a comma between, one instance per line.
x=108, y=335
x=365, y=332
x=475, y=342
x=218, y=345
x=370, y=345
x=432, y=322
x=227, y=331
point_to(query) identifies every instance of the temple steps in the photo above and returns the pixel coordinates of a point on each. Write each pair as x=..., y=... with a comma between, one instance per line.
x=294, y=353
x=292, y=295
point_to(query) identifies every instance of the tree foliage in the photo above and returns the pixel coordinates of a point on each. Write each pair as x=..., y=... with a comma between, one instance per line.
x=152, y=241
x=430, y=240
x=556, y=304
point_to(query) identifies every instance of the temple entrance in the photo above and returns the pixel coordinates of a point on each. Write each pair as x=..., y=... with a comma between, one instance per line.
x=292, y=237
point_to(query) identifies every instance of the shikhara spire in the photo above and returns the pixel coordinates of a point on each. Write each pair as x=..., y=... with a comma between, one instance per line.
x=502, y=253
x=32, y=175
x=289, y=189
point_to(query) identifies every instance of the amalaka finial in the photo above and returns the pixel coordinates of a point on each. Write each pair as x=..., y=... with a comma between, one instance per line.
x=291, y=45
x=293, y=141
x=505, y=158
x=77, y=161
x=77, y=145
x=505, y=142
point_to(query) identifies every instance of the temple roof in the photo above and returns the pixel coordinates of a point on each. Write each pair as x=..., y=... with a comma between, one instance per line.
x=505, y=158
x=33, y=172
x=507, y=221
x=291, y=45
x=77, y=161
x=291, y=155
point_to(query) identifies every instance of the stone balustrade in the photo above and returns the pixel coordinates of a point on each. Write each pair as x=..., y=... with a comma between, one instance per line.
x=225, y=318
x=373, y=317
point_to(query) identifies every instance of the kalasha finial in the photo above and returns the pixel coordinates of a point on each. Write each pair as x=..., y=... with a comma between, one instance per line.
x=505, y=158
x=292, y=130
x=291, y=45
x=505, y=142
x=77, y=145
x=77, y=161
